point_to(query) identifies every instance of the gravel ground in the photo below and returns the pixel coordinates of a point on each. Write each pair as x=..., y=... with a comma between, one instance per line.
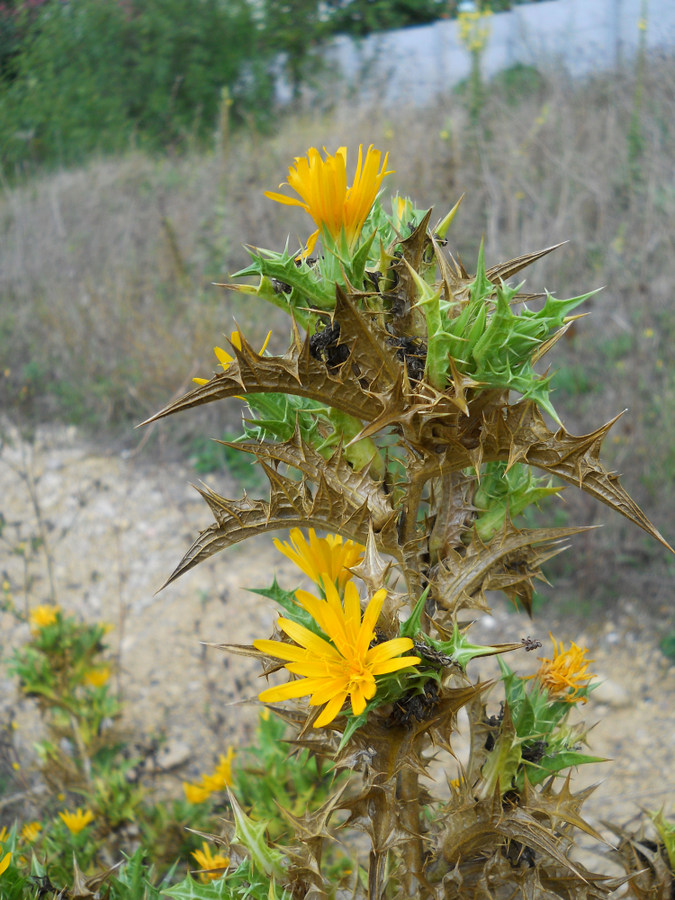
x=116, y=523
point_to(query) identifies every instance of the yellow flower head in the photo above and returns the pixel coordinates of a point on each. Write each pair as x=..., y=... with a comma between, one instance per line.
x=218, y=780
x=322, y=556
x=30, y=831
x=212, y=861
x=78, y=820
x=566, y=674
x=97, y=677
x=4, y=834
x=222, y=775
x=43, y=615
x=5, y=861
x=345, y=665
x=196, y=793
x=225, y=358
x=324, y=195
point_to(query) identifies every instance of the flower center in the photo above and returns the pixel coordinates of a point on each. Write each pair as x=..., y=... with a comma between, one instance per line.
x=358, y=675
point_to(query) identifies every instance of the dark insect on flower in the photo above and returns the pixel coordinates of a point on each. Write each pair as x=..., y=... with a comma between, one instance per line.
x=379, y=638
x=413, y=353
x=374, y=278
x=324, y=345
x=493, y=723
x=280, y=287
x=530, y=643
x=43, y=885
x=430, y=655
x=519, y=854
x=535, y=751
x=415, y=706
x=397, y=303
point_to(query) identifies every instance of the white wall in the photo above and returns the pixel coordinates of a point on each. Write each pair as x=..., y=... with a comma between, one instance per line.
x=414, y=65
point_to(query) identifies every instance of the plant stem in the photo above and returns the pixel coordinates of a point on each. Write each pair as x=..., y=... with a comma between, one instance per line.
x=408, y=794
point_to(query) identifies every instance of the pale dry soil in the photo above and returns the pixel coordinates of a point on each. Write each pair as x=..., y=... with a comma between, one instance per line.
x=116, y=522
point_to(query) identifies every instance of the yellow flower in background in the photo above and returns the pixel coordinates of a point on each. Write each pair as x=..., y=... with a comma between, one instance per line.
x=4, y=834
x=78, y=820
x=224, y=358
x=322, y=556
x=324, y=195
x=474, y=29
x=567, y=673
x=97, y=677
x=4, y=862
x=207, y=860
x=43, y=615
x=30, y=831
x=222, y=775
x=218, y=780
x=346, y=665
x=196, y=793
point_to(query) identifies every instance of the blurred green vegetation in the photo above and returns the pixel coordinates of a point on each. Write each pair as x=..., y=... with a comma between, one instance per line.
x=91, y=76
x=79, y=77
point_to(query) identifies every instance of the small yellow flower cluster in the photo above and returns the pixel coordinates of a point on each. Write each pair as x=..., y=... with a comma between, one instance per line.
x=474, y=29
x=210, y=861
x=42, y=616
x=218, y=780
x=78, y=820
x=566, y=674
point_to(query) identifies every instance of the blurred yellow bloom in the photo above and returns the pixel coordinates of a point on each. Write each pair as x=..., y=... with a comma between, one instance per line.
x=30, y=831
x=4, y=834
x=196, y=793
x=346, y=665
x=4, y=862
x=222, y=775
x=78, y=820
x=97, y=677
x=224, y=358
x=322, y=556
x=566, y=674
x=207, y=860
x=324, y=195
x=43, y=615
x=474, y=29
x=218, y=780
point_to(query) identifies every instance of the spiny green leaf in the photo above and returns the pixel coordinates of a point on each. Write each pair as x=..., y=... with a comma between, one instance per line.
x=481, y=287
x=308, y=287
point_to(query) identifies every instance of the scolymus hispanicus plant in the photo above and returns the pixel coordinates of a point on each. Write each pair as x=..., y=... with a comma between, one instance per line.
x=409, y=422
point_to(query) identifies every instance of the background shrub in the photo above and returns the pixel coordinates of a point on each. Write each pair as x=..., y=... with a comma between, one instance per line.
x=92, y=76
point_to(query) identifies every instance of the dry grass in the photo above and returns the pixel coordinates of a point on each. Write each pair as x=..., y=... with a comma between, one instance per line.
x=105, y=272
